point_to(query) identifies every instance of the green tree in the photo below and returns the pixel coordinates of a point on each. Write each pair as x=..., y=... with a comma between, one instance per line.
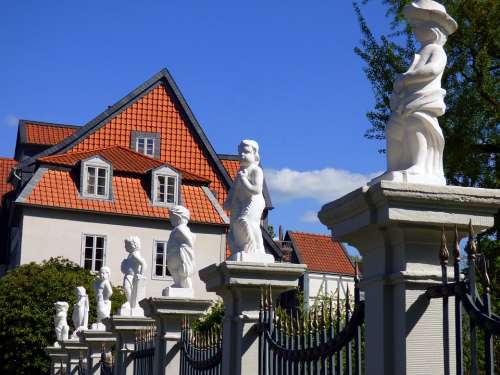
x=27, y=297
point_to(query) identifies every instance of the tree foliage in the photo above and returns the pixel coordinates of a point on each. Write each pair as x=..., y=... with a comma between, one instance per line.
x=27, y=297
x=471, y=122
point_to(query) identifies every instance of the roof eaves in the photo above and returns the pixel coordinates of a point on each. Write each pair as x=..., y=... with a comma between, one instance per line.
x=216, y=204
x=295, y=247
x=28, y=188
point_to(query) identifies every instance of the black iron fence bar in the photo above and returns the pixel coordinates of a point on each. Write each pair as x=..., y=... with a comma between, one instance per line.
x=488, y=337
x=471, y=257
x=458, y=308
x=357, y=335
x=339, y=352
x=443, y=258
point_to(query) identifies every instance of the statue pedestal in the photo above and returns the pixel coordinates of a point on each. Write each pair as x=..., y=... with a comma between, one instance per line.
x=97, y=341
x=125, y=328
x=76, y=351
x=168, y=313
x=240, y=286
x=178, y=292
x=397, y=229
x=58, y=359
x=242, y=256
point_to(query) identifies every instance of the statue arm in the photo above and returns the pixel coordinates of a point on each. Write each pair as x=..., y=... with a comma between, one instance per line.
x=186, y=235
x=254, y=188
x=108, y=289
x=430, y=65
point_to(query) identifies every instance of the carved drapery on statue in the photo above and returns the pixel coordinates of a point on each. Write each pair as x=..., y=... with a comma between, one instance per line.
x=61, y=326
x=415, y=142
x=80, y=311
x=246, y=203
x=103, y=293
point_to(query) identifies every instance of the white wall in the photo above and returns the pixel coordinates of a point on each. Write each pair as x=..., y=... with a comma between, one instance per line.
x=316, y=283
x=50, y=233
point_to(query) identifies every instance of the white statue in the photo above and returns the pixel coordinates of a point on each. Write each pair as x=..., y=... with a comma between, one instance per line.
x=246, y=203
x=80, y=311
x=103, y=292
x=180, y=254
x=415, y=141
x=134, y=269
x=61, y=322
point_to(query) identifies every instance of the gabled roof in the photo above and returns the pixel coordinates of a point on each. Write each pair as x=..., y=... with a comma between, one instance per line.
x=320, y=252
x=122, y=159
x=44, y=133
x=58, y=189
x=5, y=167
x=162, y=77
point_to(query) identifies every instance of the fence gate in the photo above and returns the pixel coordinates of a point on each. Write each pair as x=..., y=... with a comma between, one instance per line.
x=144, y=351
x=325, y=341
x=201, y=352
x=474, y=320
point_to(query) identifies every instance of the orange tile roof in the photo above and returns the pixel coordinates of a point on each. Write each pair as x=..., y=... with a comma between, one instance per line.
x=321, y=253
x=232, y=166
x=57, y=189
x=46, y=134
x=123, y=159
x=6, y=166
x=157, y=112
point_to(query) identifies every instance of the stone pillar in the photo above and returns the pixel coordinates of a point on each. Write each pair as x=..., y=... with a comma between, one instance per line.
x=75, y=350
x=240, y=284
x=58, y=358
x=125, y=329
x=168, y=313
x=397, y=229
x=96, y=341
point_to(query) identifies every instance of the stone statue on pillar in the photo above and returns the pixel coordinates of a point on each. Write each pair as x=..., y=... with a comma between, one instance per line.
x=180, y=254
x=415, y=142
x=103, y=292
x=133, y=268
x=246, y=203
x=80, y=311
x=61, y=321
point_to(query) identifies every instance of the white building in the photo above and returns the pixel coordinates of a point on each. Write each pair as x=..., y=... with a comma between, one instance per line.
x=79, y=191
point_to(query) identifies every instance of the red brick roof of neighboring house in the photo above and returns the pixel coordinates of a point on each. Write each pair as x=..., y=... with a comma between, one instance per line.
x=232, y=166
x=46, y=134
x=321, y=253
x=6, y=166
x=57, y=189
x=122, y=159
x=158, y=112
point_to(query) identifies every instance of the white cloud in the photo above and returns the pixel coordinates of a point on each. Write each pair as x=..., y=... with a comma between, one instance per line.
x=321, y=185
x=310, y=217
x=11, y=120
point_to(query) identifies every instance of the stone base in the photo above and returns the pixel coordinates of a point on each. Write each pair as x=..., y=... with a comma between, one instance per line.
x=242, y=256
x=170, y=291
x=408, y=178
x=98, y=327
x=131, y=311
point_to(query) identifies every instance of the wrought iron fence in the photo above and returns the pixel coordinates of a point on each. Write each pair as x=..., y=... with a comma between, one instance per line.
x=144, y=351
x=326, y=341
x=81, y=368
x=476, y=305
x=201, y=352
x=106, y=363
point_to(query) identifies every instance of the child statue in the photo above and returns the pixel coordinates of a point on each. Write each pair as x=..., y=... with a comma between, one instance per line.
x=61, y=322
x=415, y=141
x=103, y=292
x=80, y=311
x=180, y=254
x=134, y=269
x=246, y=203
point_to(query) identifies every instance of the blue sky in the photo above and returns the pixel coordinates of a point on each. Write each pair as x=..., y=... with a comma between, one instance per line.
x=283, y=73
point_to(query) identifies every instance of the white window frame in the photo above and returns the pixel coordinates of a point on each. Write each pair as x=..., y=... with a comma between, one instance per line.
x=166, y=173
x=94, y=243
x=154, y=276
x=145, y=150
x=98, y=164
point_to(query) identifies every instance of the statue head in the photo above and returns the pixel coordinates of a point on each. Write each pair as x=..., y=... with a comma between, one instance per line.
x=132, y=244
x=429, y=21
x=61, y=306
x=80, y=291
x=104, y=273
x=178, y=215
x=249, y=152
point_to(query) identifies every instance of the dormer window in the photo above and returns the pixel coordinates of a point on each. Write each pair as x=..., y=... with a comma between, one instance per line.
x=165, y=186
x=96, y=178
x=146, y=143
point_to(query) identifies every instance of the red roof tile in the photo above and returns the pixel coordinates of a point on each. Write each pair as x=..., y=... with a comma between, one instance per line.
x=321, y=253
x=57, y=189
x=158, y=112
x=122, y=159
x=46, y=134
x=232, y=166
x=6, y=166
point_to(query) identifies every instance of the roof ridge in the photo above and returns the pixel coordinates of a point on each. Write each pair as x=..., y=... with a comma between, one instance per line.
x=310, y=233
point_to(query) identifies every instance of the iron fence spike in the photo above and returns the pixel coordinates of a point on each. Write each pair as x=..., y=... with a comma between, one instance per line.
x=456, y=248
x=471, y=243
x=443, y=250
